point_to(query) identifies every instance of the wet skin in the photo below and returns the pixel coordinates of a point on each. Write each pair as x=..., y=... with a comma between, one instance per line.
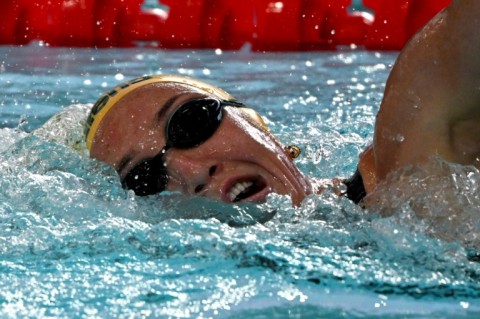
x=431, y=105
x=239, y=152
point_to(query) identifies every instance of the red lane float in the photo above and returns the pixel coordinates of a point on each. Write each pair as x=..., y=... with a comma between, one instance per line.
x=268, y=25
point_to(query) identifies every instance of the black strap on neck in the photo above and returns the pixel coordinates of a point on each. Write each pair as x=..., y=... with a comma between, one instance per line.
x=355, y=188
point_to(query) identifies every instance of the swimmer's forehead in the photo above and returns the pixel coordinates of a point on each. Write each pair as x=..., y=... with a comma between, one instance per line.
x=144, y=110
x=108, y=101
x=154, y=102
x=169, y=96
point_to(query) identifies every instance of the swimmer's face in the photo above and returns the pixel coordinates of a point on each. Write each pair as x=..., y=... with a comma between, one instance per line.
x=240, y=161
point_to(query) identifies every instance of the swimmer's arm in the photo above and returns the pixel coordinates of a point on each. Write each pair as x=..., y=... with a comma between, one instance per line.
x=434, y=83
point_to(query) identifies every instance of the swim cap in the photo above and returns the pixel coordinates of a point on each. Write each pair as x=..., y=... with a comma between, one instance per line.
x=106, y=102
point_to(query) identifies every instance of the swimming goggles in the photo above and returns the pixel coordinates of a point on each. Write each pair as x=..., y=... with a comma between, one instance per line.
x=192, y=123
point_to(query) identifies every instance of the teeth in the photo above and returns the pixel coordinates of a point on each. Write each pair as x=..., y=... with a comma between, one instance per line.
x=237, y=189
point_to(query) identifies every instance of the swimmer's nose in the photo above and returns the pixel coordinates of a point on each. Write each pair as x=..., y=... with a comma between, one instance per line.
x=192, y=173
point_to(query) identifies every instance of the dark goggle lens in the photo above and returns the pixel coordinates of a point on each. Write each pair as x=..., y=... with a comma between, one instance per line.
x=147, y=178
x=193, y=123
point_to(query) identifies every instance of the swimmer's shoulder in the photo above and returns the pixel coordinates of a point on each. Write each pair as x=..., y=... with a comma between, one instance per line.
x=431, y=92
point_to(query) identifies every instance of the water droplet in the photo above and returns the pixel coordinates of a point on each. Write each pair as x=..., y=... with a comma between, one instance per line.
x=400, y=138
x=464, y=304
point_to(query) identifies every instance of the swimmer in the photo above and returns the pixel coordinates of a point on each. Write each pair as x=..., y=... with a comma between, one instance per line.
x=174, y=133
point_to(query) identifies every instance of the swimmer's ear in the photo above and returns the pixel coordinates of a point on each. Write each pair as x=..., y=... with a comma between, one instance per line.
x=256, y=118
x=293, y=151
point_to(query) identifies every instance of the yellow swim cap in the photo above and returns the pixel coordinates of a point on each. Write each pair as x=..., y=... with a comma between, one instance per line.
x=106, y=102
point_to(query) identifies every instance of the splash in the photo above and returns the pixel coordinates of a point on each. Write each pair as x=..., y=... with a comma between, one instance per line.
x=439, y=198
x=68, y=226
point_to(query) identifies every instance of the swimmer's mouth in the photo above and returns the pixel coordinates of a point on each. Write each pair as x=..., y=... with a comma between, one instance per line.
x=252, y=190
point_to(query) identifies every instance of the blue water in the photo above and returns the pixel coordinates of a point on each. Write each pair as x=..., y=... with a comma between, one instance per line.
x=74, y=244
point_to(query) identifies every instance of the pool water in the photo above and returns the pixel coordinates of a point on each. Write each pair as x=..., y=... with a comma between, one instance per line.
x=74, y=244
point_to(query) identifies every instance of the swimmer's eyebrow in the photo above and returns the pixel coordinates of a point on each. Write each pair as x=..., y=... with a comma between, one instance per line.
x=168, y=104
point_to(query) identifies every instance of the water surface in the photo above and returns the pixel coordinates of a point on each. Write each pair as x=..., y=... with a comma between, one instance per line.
x=73, y=243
